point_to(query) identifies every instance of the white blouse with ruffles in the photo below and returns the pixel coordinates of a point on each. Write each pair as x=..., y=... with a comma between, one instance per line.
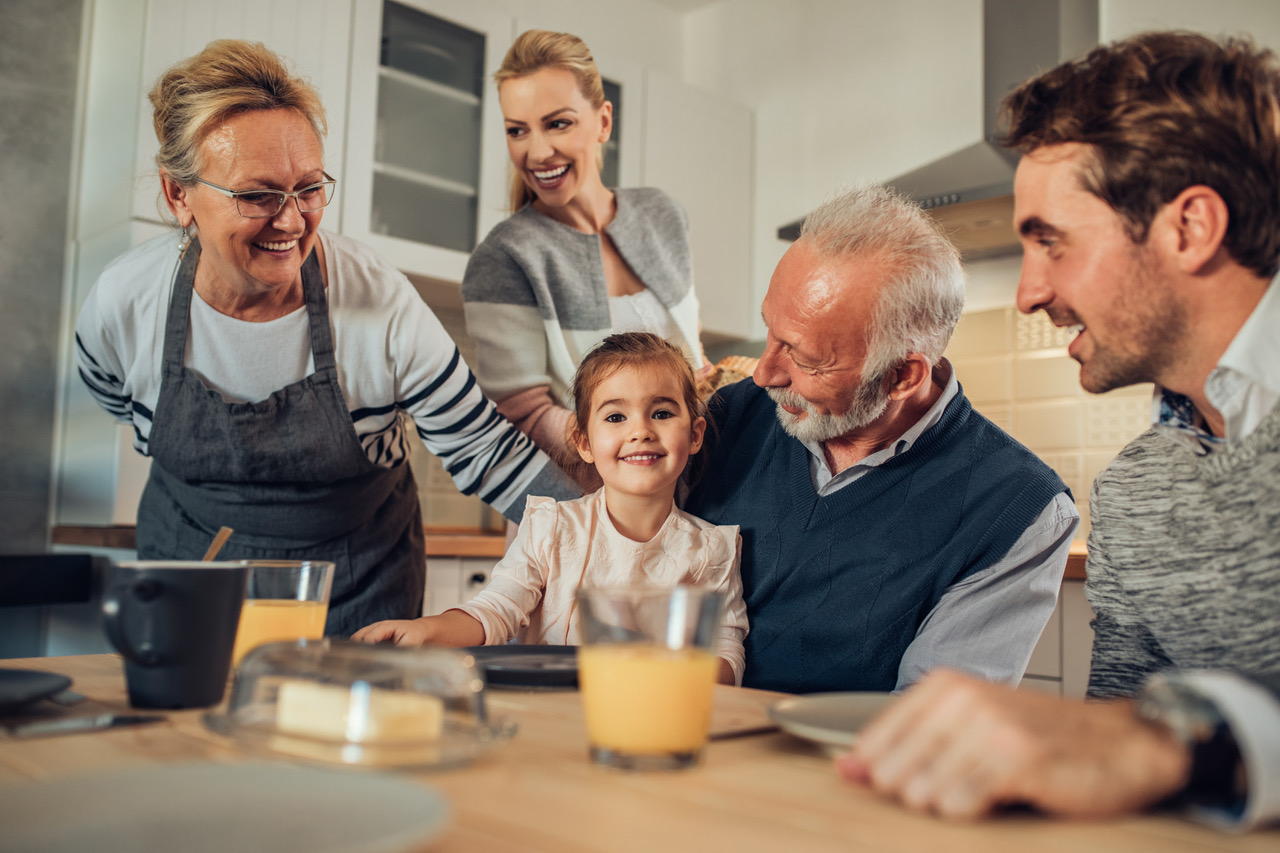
x=564, y=545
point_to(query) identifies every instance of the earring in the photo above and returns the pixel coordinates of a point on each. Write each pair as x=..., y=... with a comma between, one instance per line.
x=185, y=241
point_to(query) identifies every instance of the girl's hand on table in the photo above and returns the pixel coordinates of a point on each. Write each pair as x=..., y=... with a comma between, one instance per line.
x=402, y=632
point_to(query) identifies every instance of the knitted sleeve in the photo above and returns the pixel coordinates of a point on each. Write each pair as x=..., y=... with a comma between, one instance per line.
x=1124, y=650
x=504, y=320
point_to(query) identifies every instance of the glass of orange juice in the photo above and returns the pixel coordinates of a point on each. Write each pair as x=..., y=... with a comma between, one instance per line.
x=647, y=671
x=286, y=600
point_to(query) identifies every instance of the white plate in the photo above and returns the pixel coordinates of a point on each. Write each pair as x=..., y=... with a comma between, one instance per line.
x=215, y=808
x=831, y=719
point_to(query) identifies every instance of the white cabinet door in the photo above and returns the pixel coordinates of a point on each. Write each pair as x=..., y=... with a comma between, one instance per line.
x=407, y=175
x=1077, y=638
x=698, y=148
x=312, y=35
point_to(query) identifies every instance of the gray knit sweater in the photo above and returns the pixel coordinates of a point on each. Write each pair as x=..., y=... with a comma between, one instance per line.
x=535, y=295
x=1184, y=560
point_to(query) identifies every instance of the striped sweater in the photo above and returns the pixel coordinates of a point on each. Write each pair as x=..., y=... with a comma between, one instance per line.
x=393, y=357
x=1184, y=560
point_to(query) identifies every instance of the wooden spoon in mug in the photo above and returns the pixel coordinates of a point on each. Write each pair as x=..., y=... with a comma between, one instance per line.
x=224, y=533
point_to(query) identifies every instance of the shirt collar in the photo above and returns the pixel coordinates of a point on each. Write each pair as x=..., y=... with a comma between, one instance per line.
x=1243, y=387
x=1254, y=352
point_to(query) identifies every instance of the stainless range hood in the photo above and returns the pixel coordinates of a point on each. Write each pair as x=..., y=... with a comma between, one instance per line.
x=970, y=191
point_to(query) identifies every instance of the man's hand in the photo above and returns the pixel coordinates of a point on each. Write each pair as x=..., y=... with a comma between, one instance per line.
x=961, y=747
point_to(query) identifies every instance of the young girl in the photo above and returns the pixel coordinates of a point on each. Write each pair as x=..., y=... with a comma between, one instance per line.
x=638, y=420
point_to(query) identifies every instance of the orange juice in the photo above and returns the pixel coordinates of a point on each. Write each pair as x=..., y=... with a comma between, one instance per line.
x=642, y=699
x=265, y=620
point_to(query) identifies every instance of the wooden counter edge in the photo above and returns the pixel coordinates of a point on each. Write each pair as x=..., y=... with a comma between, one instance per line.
x=438, y=543
x=1075, y=562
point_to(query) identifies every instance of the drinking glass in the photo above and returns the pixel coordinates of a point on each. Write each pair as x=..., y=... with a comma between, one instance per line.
x=286, y=600
x=647, y=671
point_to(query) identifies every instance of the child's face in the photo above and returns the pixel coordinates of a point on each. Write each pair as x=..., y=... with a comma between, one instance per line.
x=639, y=433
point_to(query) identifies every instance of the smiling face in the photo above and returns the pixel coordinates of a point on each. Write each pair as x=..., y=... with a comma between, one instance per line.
x=554, y=134
x=1082, y=269
x=266, y=149
x=639, y=432
x=816, y=312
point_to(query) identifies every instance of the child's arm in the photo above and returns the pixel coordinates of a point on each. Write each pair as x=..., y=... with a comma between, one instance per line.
x=724, y=574
x=452, y=628
x=725, y=675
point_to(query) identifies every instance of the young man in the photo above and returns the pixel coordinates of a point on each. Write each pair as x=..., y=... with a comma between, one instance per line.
x=1148, y=200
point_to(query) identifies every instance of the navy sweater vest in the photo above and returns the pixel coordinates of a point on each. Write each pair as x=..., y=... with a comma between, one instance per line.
x=836, y=587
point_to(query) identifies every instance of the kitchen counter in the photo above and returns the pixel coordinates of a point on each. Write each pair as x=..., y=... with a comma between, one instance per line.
x=440, y=542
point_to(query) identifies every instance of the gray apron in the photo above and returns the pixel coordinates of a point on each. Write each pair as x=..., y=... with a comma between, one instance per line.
x=288, y=474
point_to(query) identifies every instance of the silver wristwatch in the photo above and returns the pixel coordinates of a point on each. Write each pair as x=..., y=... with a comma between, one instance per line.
x=1217, y=771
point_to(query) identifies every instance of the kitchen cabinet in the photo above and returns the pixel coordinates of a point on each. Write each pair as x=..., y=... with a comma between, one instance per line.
x=1060, y=661
x=454, y=580
x=426, y=162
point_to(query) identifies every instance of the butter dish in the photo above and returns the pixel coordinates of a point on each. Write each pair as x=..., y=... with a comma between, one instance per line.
x=338, y=702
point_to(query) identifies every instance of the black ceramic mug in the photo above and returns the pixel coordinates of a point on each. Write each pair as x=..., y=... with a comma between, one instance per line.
x=175, y=623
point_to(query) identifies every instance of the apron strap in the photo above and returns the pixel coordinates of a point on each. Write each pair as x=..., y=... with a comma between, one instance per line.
x=175, y=331
x=317, y=314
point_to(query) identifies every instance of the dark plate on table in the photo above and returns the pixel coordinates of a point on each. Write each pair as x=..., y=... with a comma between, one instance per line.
x=20, y=687
x=527, y=666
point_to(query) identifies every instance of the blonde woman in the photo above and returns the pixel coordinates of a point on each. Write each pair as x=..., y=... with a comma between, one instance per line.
x=264, y=364
x=576, y=261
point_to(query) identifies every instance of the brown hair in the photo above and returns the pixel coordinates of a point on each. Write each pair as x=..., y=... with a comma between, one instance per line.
x=225, y=79
x=636, y=349
x=534, y=50
x=1163, y=111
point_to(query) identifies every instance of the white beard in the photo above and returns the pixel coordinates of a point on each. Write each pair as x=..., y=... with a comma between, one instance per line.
x=869, y=403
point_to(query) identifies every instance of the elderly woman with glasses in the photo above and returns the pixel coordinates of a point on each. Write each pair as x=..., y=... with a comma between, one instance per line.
x=267, y=366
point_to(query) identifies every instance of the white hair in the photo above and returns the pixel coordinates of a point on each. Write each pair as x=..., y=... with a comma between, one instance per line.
x=919, y=309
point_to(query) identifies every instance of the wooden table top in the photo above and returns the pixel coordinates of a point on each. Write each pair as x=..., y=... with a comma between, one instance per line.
x=539, y=792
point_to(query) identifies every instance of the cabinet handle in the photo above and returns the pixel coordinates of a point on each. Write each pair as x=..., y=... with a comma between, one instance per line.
x=478, y=577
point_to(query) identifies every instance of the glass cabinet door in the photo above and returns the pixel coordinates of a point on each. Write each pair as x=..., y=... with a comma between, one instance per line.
x=426, y=158
x=426, y=169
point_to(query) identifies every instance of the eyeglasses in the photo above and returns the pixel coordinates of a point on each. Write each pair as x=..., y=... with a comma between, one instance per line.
x=261, y=204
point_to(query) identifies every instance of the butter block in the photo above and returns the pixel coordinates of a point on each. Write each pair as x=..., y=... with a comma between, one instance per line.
x=358, y=714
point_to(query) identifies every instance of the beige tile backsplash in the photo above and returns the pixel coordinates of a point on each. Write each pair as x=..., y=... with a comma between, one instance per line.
x=1016, y=371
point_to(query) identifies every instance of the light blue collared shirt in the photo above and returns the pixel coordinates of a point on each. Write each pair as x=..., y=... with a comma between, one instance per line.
x=1244, y=387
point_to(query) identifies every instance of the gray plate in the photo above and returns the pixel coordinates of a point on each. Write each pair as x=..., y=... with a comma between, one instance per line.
x=20, y=687
x=201, y=807
x=831, y=719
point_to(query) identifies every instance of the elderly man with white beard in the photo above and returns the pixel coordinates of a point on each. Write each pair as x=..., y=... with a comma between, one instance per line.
x=887, y=527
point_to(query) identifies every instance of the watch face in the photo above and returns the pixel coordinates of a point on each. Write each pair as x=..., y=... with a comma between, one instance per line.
x=1188, y=713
